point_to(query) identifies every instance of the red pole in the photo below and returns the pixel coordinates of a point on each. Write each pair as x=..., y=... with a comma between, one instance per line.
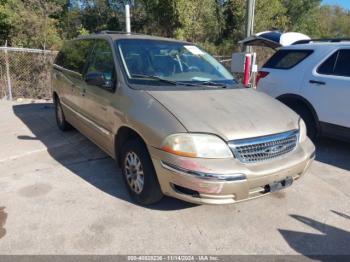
x=247, y=67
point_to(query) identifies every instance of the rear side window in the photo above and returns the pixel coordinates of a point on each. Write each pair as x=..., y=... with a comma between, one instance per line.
x=74, y=55
x=287, y=59
x=337, y=64
x=327, y=68
x=342, y=67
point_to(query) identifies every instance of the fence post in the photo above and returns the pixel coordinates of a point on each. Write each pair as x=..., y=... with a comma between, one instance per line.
x=8, y=75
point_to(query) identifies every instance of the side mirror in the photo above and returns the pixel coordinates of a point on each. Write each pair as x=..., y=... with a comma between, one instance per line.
x=98, y=79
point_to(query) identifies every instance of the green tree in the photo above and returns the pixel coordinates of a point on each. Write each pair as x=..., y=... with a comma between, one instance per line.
x=217, y=25
x=234, y=17
x=4, y=22
x=28, y=23
x=303, y=16
x=270, y=14
x=334, y=22
x=198, y=20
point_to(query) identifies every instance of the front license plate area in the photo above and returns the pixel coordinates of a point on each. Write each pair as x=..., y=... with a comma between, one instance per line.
x=279, y=185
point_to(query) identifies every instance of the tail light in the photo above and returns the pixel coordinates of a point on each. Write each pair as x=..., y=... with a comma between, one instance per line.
x=261, y=75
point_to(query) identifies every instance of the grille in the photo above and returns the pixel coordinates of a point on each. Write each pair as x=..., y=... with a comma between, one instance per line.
x=260, y=149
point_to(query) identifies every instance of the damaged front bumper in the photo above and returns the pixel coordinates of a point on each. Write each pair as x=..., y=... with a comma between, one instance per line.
x=225, y=181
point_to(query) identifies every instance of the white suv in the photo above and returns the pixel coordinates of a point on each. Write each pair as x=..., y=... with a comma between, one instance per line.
x=313, y=78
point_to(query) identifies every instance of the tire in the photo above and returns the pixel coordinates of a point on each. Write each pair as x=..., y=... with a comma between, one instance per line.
x=62, y=124
x=308, y=118
x=135, y=161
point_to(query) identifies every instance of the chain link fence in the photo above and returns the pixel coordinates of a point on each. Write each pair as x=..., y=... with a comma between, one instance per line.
x=25, y=73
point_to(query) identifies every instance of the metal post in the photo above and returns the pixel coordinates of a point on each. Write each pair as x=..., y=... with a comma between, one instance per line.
x=250, y=13
x=254, y=71
x=8, y=75
x=127, y=18
x=252, y=17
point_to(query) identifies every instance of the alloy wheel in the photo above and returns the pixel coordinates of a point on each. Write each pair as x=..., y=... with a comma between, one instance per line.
x=134, y=172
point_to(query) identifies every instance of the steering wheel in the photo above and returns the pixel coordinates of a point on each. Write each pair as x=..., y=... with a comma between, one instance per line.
x=194, y=69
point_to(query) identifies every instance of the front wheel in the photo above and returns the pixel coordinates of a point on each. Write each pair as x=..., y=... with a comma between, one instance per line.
x=139, y=174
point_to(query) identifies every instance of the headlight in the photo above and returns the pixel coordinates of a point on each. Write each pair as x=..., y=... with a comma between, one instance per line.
x=196, y=145
x=302, y=130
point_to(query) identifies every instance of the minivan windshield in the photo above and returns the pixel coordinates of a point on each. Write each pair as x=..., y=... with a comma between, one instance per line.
x=166, y=63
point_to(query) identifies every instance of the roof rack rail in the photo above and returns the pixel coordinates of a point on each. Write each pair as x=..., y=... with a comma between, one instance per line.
x=324, y=40
x=115, y=32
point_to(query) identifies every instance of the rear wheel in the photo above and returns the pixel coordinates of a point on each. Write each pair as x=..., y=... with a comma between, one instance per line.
x=139, y=174
x=60, y=118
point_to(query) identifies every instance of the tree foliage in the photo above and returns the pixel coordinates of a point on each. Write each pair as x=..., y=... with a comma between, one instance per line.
x=334, y=21
x=216, y=24
x=29, y=23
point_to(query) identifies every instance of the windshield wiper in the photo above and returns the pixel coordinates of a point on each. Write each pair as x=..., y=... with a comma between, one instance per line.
x=162, y=79
x=203, y=83
x=211, y=83
x=156, y=78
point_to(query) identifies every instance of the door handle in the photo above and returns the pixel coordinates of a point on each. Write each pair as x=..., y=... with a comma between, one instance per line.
x=317, y=82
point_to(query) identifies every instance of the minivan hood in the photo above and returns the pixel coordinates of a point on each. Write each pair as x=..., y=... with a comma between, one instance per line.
x=229, y=113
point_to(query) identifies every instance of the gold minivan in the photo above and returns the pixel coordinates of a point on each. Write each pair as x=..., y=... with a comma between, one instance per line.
x=176, y=121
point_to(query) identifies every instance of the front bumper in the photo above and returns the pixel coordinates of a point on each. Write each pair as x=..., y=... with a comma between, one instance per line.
x=225, y=181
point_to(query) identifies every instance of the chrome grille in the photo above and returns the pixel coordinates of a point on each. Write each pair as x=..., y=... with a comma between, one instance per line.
x=260, y=149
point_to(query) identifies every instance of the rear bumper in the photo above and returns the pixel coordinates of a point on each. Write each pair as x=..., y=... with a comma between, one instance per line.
x=226, y=181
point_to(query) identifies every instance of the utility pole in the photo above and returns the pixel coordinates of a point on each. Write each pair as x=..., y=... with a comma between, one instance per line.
x=249, y=31
x=127, y=19
x=250, y=14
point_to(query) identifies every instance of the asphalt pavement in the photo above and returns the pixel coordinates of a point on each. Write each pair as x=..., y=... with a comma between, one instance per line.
x=60, y=194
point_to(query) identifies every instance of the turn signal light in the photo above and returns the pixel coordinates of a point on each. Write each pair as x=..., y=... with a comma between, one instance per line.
x=261, y=75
